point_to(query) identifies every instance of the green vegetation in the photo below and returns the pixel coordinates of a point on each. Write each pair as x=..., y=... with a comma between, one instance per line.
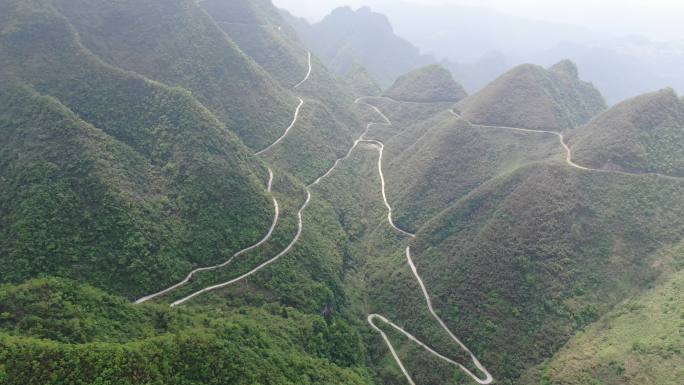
x=362, y=82
x=640, y=342
x=530, y=96
x=123, y=166
x=262, y=34
x=113, y=179
x=643, y=134
x=425, y=174
x=431, y=84
x=177, y=43
x=77, y=334
x=530, y=258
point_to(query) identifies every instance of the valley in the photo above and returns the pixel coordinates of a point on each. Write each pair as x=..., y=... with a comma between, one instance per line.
x=190, y=196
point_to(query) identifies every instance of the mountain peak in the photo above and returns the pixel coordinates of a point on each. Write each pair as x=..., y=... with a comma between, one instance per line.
x=432, y=83
x=566, y=67
x=530, y=96
x=642, y=134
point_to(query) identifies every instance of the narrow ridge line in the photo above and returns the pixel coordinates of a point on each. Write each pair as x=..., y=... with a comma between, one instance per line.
x=568, y=150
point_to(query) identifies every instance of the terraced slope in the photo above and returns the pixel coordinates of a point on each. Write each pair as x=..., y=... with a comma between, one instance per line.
x=643, y=134
x=177, y=43
x=431, y=84
x=139, y=194
x=530, y=96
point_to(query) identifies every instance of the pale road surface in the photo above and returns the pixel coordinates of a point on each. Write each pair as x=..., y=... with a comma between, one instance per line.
x=568, y=151
x=250, y=248
x=287, y=130
x=371, y=318
x=256, y=269
x=271, y=229
x=308, y=73
x=300, y=226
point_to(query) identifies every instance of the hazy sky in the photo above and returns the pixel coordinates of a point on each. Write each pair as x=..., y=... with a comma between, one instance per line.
x=657, y=19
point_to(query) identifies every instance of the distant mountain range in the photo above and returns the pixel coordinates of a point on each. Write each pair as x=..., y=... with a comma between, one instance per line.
x=347, y=37
x=477, y=45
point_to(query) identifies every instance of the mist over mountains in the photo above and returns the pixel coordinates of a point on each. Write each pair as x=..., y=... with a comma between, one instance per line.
x=478, y=44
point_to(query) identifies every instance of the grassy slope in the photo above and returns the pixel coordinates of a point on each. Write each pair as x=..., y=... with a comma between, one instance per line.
x=530, y=96
x=87, y=336
x=176, y=159
x=640, y=342
x=567, y=245
x=177, y=43
x=431, y=84
x=642, y=134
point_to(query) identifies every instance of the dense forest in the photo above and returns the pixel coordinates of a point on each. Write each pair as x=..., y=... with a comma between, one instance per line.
x=217, y=192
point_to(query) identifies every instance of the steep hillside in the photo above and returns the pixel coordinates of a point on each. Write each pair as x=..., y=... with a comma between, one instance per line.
x=530, y=96
x=362, y=82
x=260, y=31
x=520, y=265
x=114, y=179
x=177, y=43
x=431, y=84
x=640, y=342
x=643, y=134
x=87, y=336
x=347, y=37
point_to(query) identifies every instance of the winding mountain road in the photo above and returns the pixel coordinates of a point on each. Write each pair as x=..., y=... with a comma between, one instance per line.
x=287, y=130
x=566, y=147
x=256, y=269
x=263, y=240
x=276, y=215
x=372, y=317
x=308, y=73
x=300, y=225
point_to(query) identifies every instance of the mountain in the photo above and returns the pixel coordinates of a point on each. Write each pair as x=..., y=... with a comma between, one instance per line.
x=147, y=236
x=112, y=177
x=258, y=29
x=510, y=237
x=427, y=84
x=639, y=342
x=180, y=45
x=530, y=96
x=478, y=73
x=638, y=135
x=122, y=170
x=649, y=65
x=362, y=82
x=347, y=37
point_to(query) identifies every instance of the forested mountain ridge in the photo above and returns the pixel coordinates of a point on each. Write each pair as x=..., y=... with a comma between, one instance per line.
x=642, y=134
x=368, y=241
x=168, y=148
x=530, y=96
x=431, y=84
